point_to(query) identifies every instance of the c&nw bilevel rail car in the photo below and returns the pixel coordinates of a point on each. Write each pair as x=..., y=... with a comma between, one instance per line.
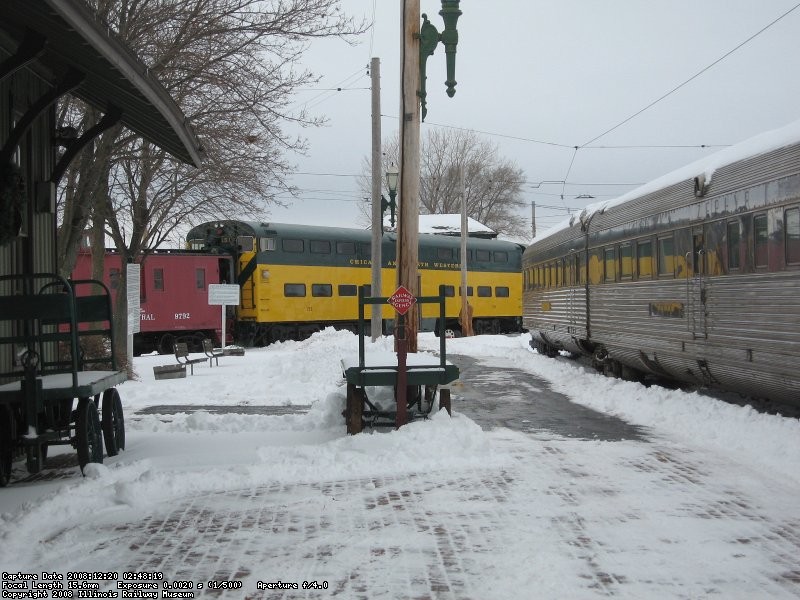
x=296, y=280
x=693, y=277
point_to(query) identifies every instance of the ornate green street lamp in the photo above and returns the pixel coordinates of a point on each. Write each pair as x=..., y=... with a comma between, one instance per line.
x=392, y=175
x=429, y=38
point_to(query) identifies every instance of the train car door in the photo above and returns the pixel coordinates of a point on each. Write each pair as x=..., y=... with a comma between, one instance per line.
x=696, y=283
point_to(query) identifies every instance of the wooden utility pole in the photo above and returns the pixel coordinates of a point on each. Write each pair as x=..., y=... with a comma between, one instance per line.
x=408, y=221
x=377, y=214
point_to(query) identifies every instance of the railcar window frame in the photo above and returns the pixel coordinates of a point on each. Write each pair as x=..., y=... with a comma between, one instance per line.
x=609, y=264
x=293, y=245
x=500, y=256
x=664, y=259
x=449, y=291
x=760, y=246
x=470, y=290
x=321, y=290
x=646, y=259
x=293, y=290
x=502, y=291
x=791, y=235
x=319, y=246
x=267, y=244
x=733, y=244
x=115, y=274
x=483, y=255
x=200, y=278
x=346, y=248
x=484, y=291
x=445, y=254
x=625, y=258
x=158, y=279
x=347, y=290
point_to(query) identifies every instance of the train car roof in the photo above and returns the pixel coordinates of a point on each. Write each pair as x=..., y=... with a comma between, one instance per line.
x=263, y=229
x=703, y=168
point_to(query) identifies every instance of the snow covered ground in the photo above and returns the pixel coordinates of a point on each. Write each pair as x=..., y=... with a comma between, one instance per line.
x=707, y=507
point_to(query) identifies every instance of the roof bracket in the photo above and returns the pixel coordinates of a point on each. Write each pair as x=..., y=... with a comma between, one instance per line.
x=31, y=47
x=72, y=79
x=111, y=118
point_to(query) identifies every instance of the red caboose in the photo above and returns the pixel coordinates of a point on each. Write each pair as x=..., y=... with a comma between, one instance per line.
x=174, y=296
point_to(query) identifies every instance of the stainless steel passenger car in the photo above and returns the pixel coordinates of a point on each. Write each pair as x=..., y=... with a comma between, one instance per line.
x=694, y=277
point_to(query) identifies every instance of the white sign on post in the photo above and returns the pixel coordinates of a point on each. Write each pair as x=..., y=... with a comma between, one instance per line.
x=132, y=280
x=224, y=294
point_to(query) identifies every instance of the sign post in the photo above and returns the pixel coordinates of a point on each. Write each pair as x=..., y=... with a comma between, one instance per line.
x=133, y=283
x=223, y=294
x=402, y=300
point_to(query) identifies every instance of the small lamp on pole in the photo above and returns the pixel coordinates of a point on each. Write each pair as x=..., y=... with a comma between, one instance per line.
x=392, y=175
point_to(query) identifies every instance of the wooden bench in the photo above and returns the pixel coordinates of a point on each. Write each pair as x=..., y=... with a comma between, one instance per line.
x=208, y=348
x=182, y=356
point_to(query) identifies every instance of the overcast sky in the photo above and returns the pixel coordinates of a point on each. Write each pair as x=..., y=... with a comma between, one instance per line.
x=539, y=78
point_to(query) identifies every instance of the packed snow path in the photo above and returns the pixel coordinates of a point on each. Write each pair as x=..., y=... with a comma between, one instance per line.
x=437, y=509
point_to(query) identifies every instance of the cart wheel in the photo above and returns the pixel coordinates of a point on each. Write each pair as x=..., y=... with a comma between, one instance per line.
x=444, y=400
x=88, y=438
x=6, y=445
x=113, y=422
x=354, y=410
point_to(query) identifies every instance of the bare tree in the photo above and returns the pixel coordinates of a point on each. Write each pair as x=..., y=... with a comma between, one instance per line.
x=492, y=185
x=232, y=66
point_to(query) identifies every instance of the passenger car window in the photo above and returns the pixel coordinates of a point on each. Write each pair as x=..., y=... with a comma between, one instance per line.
x=291, y=245
x=294, y=290
x=760, y=239
x=319, y=246
x=793, y=235
x=484, y=291
x=321, y=290
x=666, y=257
x=733, y=245
x=501, y=292
x=644, y=259
x=348, y=290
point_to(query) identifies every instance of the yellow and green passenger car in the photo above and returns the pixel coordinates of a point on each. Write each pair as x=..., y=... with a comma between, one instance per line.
x=297, y=279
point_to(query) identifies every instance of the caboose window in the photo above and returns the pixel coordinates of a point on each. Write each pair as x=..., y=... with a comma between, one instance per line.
x=793, y=235
x=319, y=246
x=733, y=245
x=321, y=290
x=200, y=279
x=345, y=247
x=291, y=245
x=483, y=255
x=501, y=257
x=666, y=257
x=484, y=291
x=348, y=290
x=113, y=275
x=294, y=290
x=158, y=279
x=501, y=292
x=761, y=238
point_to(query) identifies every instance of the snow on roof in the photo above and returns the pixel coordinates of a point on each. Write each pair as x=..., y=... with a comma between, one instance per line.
x=451, y=225
x=706, y=167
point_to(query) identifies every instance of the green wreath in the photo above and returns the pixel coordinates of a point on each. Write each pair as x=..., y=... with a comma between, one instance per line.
x=12, y=202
